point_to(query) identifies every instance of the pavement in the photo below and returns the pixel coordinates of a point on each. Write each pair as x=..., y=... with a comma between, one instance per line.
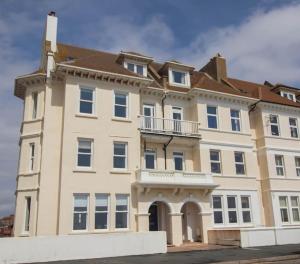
x=286, y=254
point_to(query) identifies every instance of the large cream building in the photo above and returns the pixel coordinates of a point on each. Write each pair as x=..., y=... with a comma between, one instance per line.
x=121, y=143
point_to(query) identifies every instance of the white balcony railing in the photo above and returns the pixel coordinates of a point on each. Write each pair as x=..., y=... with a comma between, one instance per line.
x=175, y=178
x=169, y=126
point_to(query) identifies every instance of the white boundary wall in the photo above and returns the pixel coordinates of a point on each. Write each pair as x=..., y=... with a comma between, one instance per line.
x=70, y=247
x=255, y=237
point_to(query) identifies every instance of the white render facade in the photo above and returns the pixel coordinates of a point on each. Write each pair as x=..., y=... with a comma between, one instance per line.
x=119, y=143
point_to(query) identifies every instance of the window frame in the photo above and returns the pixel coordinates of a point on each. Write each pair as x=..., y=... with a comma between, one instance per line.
x=102, y=212
x=34, y=105
x=32, y=150
x=179, y=154
x=27, y=214
x=236, y=210
x=93, y=101
x=150, y=152
x=249, y=209
x=297, y=167
x=117, y=155
x=294, y=127
x=126, y=106
x=91, y=154
x=243, y=163
x=186, y=77
x=212, y=115
x=274, y=125
x=87, y=212
x=214, y=161
x=218, y=209
x=127, y=212
x=238, y=119
x=284, y=207
x=295, y=207
x=135, y=66
x=282, y=166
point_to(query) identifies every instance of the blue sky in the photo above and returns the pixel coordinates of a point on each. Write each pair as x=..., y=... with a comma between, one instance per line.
x=260, y=39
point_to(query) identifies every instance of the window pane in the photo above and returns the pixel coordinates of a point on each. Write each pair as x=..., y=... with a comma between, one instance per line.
x=245, y=202
x=86, y=94
x=217, y=202
x=212, y=110
x=235, y=125
x=218, y=217
x=84, y=160
x=279, y=160
x=294, y=132
x=214, y=155
x=79, y=221
x=212, y=122
x=130, y=67
x=150, y=160
x=84, y=146
x=86, y=107
x=293, y=121
x=120, y=111
x=120, y=99
x=121, y=220
x=119, y=162
x=238, y=156
x=100, y=220
x=235, y=113
x=101, y=202
x=178, y=163
x=240, y=169
x=246, y=217
x=139, y=69
x=232, y=217
x=273, y=119
x=231, y=202
x=294, y=201
x=215, y=167
x=119, y=148
x=178, y=77
x=284, y=215
x=296, y=216
x=283, y=201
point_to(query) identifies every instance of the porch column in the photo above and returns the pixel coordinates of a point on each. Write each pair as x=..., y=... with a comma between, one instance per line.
x=206, y=224
x=143, y=222
x=176, y=228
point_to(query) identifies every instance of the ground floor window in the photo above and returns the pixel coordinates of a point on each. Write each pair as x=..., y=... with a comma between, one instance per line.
x=101, y=211
x=80, y=211
x=122, y=211
x=232, y=209
x=289, y=209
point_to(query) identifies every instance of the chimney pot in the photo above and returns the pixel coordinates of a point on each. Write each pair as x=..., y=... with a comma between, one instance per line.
x=52, y=13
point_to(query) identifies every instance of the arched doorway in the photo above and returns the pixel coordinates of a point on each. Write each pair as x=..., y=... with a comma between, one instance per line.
x=191, y=223
x=159, y=218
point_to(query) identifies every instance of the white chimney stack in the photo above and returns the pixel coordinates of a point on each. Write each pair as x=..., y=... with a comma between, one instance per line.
x=51, y=30
x=50, y=35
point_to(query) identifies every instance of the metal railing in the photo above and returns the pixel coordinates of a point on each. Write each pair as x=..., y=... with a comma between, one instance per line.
x=169, y=126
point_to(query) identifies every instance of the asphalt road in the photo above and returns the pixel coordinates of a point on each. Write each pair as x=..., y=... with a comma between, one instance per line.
x=202, y=257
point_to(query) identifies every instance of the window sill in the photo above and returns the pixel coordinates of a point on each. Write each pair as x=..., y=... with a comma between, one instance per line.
x=82, y=170
x=234, y=176
x=120, y=119
x=24, y=235
x=120, y=172
x=179, y=85
x=28, y=174
x=225, y=131
x=32, y=120
x=92, y=116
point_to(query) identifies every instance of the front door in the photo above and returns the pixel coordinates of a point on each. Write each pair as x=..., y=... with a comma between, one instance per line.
x=148, y=116
x=177, y=117
x=153, y=218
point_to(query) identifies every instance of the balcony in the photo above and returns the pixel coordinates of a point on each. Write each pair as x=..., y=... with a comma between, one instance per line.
x=173, y=127
x=177, y=179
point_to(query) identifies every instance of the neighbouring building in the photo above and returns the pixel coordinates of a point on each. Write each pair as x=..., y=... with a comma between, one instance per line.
x=6, y=226
x=121, y=143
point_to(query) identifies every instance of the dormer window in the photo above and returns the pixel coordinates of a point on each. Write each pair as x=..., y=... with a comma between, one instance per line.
x=288, y=95
x=177, y=77
x=140, y=69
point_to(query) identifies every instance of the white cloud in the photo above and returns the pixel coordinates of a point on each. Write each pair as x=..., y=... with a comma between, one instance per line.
x=265, y=46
